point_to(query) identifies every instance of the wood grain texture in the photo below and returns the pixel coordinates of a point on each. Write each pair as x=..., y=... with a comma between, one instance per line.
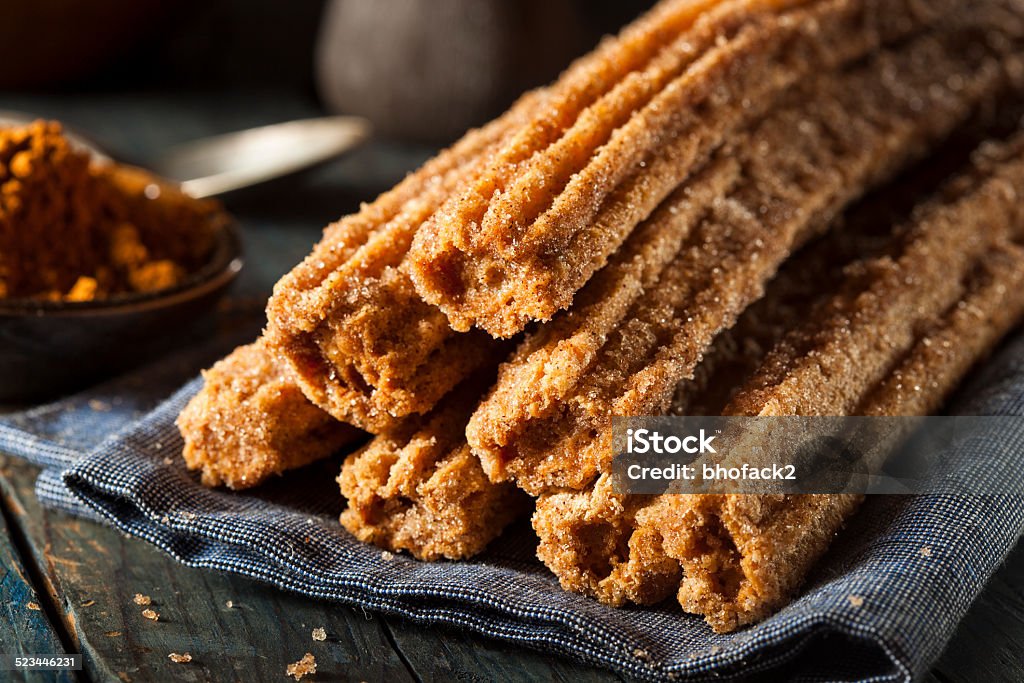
x=24, y=626
x=989, y=642
x=437, y=654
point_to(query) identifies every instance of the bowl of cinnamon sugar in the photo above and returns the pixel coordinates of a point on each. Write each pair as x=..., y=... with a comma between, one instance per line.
x=99, y=262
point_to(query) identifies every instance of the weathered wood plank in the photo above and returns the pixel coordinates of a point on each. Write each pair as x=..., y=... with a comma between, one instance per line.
x=95, y=571
x=989, y=643
x=437, y=654
x=24, y=627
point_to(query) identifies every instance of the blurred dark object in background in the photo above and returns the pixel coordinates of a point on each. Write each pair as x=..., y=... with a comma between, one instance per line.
x=243, y=44
x=426, y=70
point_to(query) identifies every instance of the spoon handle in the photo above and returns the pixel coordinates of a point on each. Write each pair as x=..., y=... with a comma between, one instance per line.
x=219, y=164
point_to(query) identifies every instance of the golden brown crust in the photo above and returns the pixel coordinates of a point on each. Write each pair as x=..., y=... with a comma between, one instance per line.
x=517, y=247
x=764, y=546
x=250, y=422
x=590, y=538
x=742, y=557
x=585, y=540
x=884, y=301
x=945, y=352
x=363, y=345
x=418, y=488
x=585, y=535
x=801, y=165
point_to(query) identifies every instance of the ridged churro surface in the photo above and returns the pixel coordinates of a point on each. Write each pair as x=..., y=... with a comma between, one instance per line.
x=250, y=422
x=418, y=488
x=762, y=547
x=366, y=348
x=363, y=345
x=545, y=423
x=589, y=538
x=563, y=193
x=741, y=557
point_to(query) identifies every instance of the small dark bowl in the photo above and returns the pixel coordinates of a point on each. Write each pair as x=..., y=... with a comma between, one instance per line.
x=50, y=347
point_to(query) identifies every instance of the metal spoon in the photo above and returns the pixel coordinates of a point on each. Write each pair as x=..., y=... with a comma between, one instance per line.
x=219, y=164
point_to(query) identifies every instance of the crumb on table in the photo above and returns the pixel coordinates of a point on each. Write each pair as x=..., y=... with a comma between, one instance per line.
x=304, y=667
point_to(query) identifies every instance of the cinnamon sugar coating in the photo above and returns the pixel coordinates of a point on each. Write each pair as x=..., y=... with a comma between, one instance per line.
x=418, y=488
x=561, y=196
x=739, y=558
x=762, y=547
x=250, y=422
x=362, y=344
x=545, y=423
x=885, y=301
x=590, y=538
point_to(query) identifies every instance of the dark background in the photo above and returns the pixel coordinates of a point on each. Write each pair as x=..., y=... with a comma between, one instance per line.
x=424, y=70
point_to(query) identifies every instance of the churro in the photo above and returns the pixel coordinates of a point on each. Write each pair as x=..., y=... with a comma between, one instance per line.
x=561, y=196
x=762, y=547
x=545, y=423
x=886, y=299
x=362, y=344
x=250, y=422
x=418, y=488
x=741, y=557
x=367, y=348
x=585, y=536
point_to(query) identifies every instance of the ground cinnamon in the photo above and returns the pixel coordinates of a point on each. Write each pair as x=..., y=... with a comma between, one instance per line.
x=76, y=229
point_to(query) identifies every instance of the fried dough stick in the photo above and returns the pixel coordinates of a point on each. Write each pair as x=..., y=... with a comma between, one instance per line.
x=585, y=535
x=518, y=243
x=885, y=300
x=545, y=423
x=250, y=422
x=742, y=557
x=418, y=488
x=363, y=345
x=367, y=349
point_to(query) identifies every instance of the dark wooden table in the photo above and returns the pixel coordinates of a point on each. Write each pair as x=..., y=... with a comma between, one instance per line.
x=67, y=585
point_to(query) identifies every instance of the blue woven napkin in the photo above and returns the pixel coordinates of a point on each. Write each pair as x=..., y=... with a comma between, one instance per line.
x=911, y=564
